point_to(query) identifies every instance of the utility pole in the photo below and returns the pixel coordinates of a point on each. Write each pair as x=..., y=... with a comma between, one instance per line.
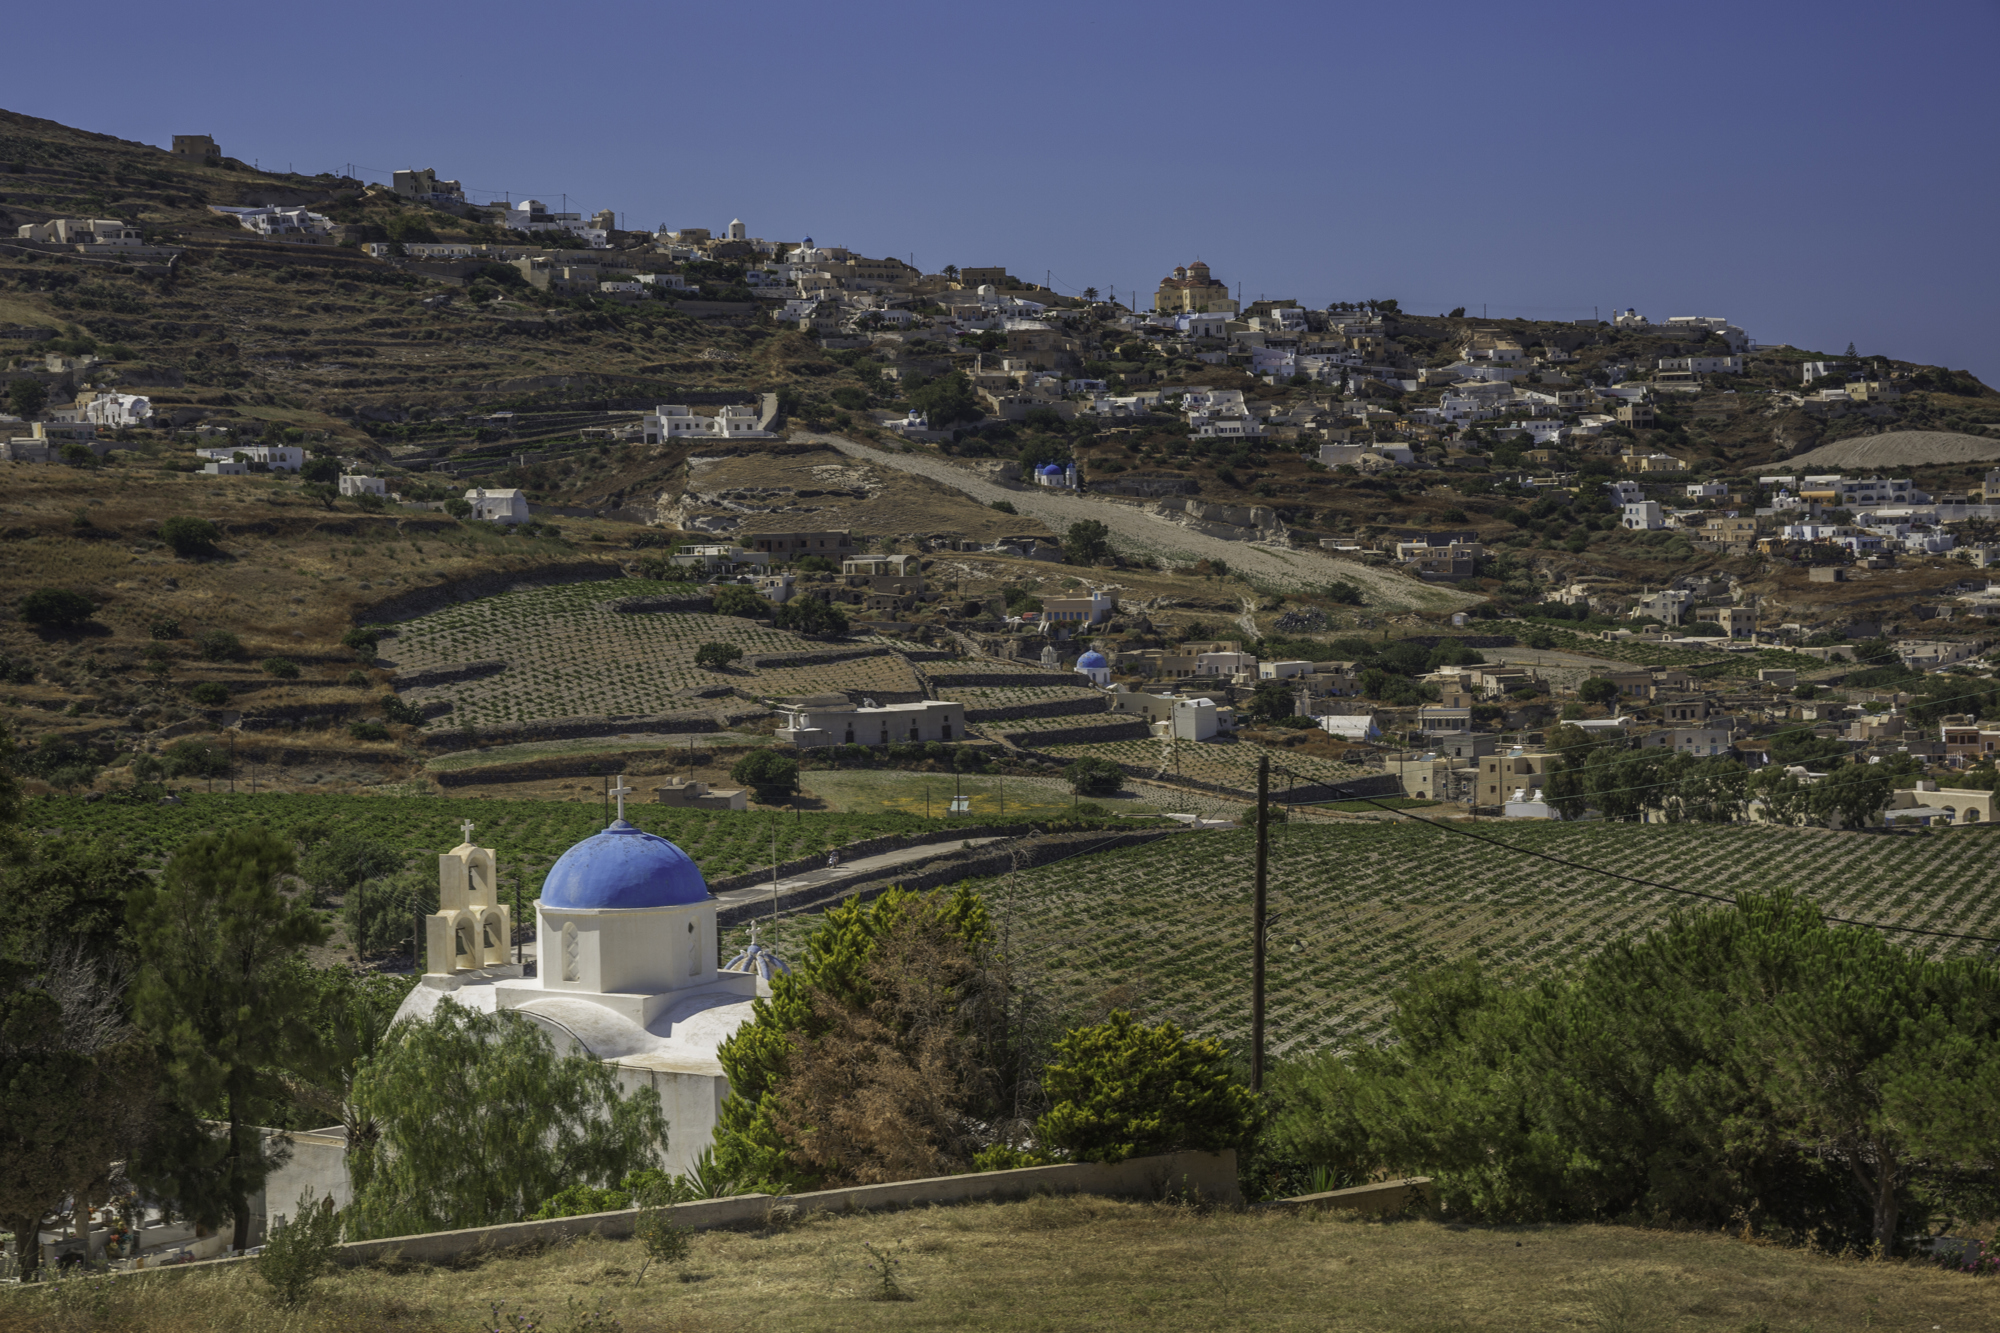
x=517, y=918
x=1257, y=925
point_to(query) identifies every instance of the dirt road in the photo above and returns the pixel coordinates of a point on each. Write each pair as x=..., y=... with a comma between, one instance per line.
x=1137, y=532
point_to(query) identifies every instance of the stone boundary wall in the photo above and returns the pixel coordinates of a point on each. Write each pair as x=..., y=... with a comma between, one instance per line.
x=449, y=739
x=1046, y=708
x=279, y=717
x=809, y=657
x=946, y=680
x=1209, y=1176
x=980, y=863
x=612, y=762
x=449, y=674
x=1465, y=640
x=1136, y=730
x=423, y=601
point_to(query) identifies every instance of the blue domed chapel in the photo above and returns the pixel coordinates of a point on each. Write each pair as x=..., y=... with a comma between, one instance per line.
x=626, y=968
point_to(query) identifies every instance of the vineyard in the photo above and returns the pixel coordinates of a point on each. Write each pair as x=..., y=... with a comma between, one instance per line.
x=568, y=655
x=1357, y=909
x=1223, y=762
x=527, y=835
x=1011, y=696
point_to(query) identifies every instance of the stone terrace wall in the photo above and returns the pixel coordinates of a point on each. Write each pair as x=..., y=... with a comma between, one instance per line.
x=423, y=601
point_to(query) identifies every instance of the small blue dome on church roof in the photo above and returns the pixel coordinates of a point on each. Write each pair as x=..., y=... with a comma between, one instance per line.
x=624, y=867
x=1091, y=661
x=1051, y=470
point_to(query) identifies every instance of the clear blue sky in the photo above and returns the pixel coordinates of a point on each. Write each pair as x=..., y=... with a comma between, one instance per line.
x=1819, y=173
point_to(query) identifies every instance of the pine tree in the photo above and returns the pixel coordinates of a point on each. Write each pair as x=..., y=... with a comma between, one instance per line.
x=225, y=1012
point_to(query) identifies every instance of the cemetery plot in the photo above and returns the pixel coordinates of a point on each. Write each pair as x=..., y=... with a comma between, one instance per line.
x=568, y=655
x=1360, y=909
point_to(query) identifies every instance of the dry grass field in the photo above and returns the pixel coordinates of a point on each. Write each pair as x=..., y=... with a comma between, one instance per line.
x=1073, y=1263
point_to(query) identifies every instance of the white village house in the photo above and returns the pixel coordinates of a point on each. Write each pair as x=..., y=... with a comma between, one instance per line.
x=498, y=506
x=275, y=457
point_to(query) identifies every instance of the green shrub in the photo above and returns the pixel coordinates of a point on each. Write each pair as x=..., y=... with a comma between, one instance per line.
x=771, y=774
x=297, y=1253
x=191, y=758
x=218, y=645
x=397, y=711
x=189, y=537
x=357, y=679
x=56, y=608
x=1094, y=777
x=809, y=615
x=734, y=599
x=1120, y=1089
x=210, y=694
x=367, y=729
x=716, y=654
x=362, y=641
x=166, y=629
x=284, y=668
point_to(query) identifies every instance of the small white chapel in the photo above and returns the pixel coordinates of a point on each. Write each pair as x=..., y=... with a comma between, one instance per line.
x=625, y=966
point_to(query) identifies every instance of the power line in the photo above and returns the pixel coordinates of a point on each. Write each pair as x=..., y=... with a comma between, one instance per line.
x=1653, y=883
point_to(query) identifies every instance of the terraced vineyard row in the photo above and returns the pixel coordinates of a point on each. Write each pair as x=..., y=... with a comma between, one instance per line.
x=568, y=655
x=1358, y=909
x=528, y=835
x=1007, y=696
x=1224, y=762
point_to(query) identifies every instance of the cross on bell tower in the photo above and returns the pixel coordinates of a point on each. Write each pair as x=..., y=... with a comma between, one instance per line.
x=465, y=828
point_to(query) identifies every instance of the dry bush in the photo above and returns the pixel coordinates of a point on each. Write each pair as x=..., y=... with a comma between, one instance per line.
x=908, y=1084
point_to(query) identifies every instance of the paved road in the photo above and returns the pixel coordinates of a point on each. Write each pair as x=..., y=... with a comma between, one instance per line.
x=858, y=869
x=1137, y=532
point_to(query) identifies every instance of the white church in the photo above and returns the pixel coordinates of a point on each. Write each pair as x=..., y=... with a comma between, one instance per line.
x=626, y=972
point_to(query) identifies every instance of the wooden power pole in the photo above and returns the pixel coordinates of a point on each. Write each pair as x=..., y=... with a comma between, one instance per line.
x=1257, y=925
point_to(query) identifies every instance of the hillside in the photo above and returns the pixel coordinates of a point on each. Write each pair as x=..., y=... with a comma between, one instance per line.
x=1122, y=1266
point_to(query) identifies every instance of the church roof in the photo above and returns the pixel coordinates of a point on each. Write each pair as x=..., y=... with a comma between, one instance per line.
x=624, y=867
x=1091, y=660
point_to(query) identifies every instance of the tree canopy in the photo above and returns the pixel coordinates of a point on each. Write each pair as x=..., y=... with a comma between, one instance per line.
x=1751, y=1061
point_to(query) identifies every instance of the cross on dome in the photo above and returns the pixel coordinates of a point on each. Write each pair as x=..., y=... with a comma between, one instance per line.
x=621, y=791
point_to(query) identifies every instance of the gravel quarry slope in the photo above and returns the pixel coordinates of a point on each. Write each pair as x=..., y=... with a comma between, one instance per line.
x=1898, y=448
x=1136, y=532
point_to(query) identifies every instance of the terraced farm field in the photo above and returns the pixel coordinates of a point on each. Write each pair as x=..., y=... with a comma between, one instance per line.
x=569, y=655
x=1225, y=762
x=1357, y=909
x=1010, y=696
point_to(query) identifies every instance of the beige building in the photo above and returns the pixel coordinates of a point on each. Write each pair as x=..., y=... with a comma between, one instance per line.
x=1192, y=291
x=845, y=724
x=1501, y=775
x=196, y=147
x=833, y=545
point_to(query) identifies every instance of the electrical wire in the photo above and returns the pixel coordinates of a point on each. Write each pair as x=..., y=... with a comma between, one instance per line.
x=1653, y=883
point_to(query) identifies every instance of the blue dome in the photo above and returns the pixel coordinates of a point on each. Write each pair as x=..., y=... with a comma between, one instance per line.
x=1051, y=470
x=624, y=867
x=1091, y=661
